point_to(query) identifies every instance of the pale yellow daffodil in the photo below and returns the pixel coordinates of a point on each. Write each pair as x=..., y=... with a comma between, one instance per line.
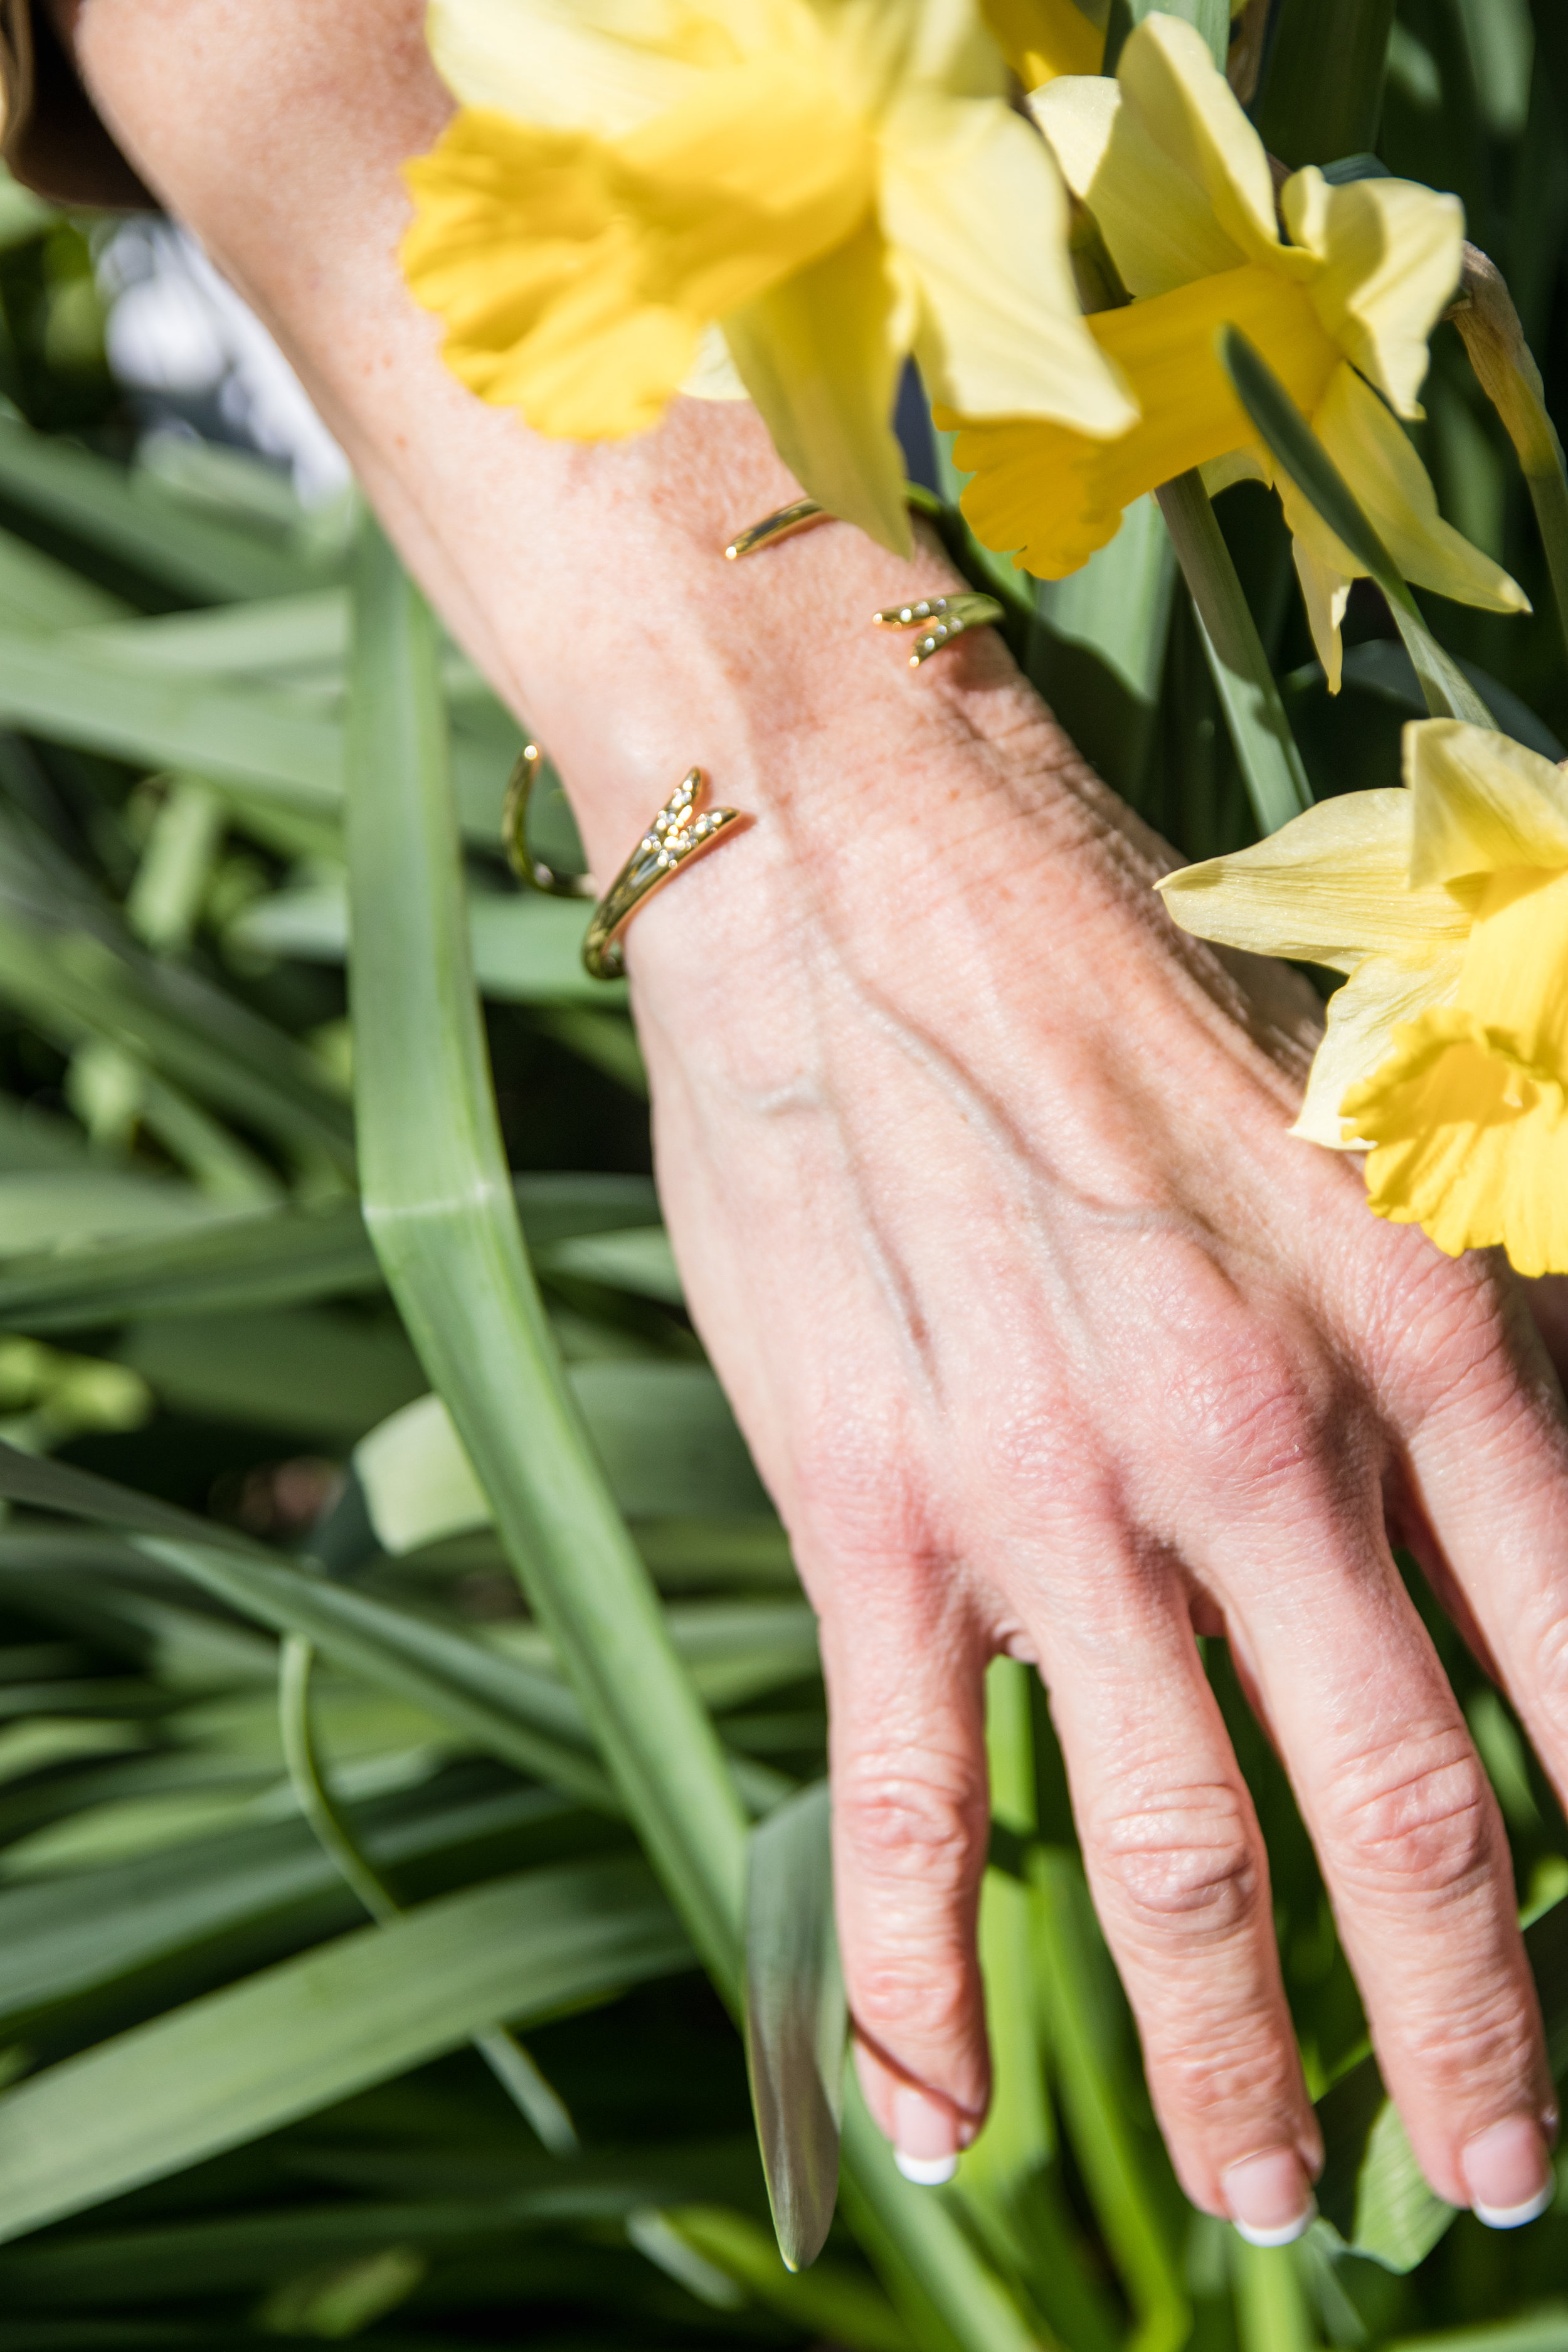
x=1446, y=1056
x=1043, y=38
x=1179, y=185
x=832, y=183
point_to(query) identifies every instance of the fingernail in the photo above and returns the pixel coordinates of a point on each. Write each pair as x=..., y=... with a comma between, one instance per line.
x=1269, y=2198
x=1508, y=2173
x=925, y=2138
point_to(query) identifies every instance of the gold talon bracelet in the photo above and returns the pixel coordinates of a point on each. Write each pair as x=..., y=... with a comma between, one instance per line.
x=676, y=836
x=947, y=617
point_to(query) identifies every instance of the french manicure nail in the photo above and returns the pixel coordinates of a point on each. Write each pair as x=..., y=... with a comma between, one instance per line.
x=925, y=2138
x=1269, y=2198
x=1508, y=2173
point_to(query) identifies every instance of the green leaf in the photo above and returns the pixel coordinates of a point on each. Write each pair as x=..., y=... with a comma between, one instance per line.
x=1117, y=2171
x=223, y=2069
x=62, y=1937
x=797, y=2019
x=526, y=948
x=196, y=1260
x=1098, y=647
x=438, y=1206
x=1322, y=94
x=1299, y=453
x=66, y=962
x=135, y=519
x=832, y=2302
x=248, y=740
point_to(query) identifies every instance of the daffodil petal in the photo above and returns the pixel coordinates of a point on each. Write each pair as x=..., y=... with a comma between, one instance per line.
x=1395, y=492
x=1465, y=1143
x=1362, y=1016
x=881, y=46
x=999, y=331
x=576, y=276
x=1325, y=592
x=1043, y=38
x=1158, y=224
x=819, y=357
x=1184, y=103
x=1056, y=496
x=1389, y=254
x=1480, y=804
x=1329, y=887
x=714, y=375
x=603, y=65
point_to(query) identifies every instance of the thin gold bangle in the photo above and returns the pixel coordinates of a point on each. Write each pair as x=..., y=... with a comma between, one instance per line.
x=676, y=836
x=520, y=787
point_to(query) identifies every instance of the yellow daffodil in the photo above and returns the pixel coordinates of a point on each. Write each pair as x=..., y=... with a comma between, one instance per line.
x=1446, y=1056
x=832, y=183
x=1043, y=38
x=1179, y=185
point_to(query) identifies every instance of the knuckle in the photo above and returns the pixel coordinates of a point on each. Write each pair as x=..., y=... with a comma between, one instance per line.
x=901, y=1822
x=905, y=2000
x=1415, y=1816
x=1250, y=1408
x=1182, y=1864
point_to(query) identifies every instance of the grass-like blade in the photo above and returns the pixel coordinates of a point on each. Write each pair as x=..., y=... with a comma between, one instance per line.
x=797, y=2019
x=1322, y=96
x=250, y=739
x=214, y=1265
x=225, y=2068
x=138, y=520
x=439, y=1208
x=523, y=1717
x=1298, y=454
x=72, y=1932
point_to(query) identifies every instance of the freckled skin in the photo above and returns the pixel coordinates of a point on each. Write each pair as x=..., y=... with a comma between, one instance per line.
x=1044, y=1333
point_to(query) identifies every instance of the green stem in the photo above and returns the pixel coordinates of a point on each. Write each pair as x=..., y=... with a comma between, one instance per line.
x=1271, y=765
x=1271, y=2307
x=507, y=2059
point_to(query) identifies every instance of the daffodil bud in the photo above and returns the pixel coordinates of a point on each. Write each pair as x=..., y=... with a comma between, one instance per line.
x=1505, y=368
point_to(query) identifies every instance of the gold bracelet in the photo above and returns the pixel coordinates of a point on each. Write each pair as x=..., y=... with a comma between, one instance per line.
x=676, y=836
x=514, y=833
x=949, y=617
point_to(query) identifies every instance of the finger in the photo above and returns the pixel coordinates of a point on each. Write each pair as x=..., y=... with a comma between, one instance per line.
x=1407, y=1832
x=904, y=1661
x=1180, y=1879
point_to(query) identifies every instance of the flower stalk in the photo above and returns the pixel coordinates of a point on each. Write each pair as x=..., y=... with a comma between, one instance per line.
x=1271, y=764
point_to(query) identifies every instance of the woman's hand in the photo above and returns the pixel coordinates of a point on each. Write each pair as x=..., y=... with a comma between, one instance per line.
x=1046, y=1334
x=1049, y=1339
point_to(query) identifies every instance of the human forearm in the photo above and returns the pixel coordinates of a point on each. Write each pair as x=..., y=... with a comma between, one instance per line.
x=589, y=582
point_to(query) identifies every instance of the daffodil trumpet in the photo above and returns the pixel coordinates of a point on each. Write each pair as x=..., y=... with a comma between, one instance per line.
x=1339, y=289
x=1445, y=1055
x=778, y=198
